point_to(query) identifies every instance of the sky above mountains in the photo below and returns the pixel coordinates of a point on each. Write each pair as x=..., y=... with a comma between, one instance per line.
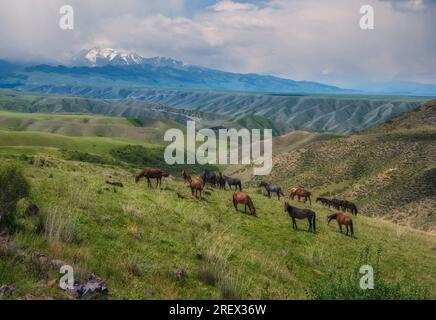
x=302, y=40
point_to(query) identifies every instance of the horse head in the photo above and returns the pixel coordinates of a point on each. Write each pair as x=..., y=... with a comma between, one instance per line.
x=137, y=178
x=263, y=184
x=331, y=217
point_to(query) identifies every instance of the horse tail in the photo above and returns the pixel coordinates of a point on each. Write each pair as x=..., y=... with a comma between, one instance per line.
x=240, y=186
x=351, y=227
x=314, y=222
x=355, y=210
x=310, y=201
x=281, y=192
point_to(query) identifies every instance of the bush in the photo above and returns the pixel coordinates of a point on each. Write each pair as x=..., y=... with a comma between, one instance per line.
x=13, y=187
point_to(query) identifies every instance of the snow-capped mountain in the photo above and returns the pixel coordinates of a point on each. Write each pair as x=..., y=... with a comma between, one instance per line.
x=98, y=57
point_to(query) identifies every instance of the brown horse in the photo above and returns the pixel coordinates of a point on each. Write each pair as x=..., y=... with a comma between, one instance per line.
x=242, y=197
x=297, y=213
x=342, y=219
x=186, y=177
x=300, y=193
x=196, y=186
x=151, y=173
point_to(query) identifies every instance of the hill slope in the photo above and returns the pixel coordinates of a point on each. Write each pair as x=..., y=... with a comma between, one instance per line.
x=389, y=170
x=136, y=238
x=282, y=113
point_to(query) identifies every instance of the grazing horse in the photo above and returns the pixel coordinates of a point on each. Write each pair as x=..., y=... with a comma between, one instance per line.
x=297, y=213
x=196, y=186
x=324, y=201
x=349, y=206
x=233, y=182
x=271, y=189
x=342, y=219
x=242, y=197
x=210, y=177
x=186, y=176
x=222, y=181
x=300, y=193
x=151, y=173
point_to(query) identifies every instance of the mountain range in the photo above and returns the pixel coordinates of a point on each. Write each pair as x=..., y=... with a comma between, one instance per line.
x=108, y=67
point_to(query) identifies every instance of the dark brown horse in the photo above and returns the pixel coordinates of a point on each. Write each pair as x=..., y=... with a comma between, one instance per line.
x=186, y=177
x=233, y=182
x=210, y=177
x=342, y=219
x=151, y=173
x=242, y=197
x=300, y=193
x=196, y=186
x=324, y=201
x=271, y=189
x=349, y=206
x=297, y=213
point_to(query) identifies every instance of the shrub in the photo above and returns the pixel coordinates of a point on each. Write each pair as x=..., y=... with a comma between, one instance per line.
x=13, y=187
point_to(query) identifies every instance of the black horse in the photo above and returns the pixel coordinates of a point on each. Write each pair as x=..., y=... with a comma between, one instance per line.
x=222, y=181
x=297, y=213
x=349, y=206
x=271, y=189
x=210, y=177
x=233, y=182
x=324, y=201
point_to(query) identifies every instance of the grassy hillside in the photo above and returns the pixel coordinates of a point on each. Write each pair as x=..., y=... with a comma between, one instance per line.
x=389, y=171
x=151, y=244
x=136, y=239
x=87, y=125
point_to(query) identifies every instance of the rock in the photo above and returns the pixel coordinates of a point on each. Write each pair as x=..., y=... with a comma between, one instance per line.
x=21, y=255
x=56, y=264
x=32, y=210
x=89, y=288
x=6, y=291
x=179, y=273
x=115, y=184
x=40, y=258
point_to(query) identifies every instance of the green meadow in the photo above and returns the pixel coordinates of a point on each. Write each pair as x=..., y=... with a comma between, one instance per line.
x=137, y=238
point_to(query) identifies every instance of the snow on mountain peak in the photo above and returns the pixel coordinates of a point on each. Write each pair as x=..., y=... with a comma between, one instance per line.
x=98, y=57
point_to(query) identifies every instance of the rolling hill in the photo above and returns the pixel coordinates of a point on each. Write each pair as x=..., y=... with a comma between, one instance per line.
x=151, y=244
x=282, y=113
x=388, y=170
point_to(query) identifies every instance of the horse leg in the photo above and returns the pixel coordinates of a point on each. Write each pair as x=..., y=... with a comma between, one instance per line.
x=245, y=208
x=149, y=182
x=347, y=228
x=310, y=224
x=340, y=227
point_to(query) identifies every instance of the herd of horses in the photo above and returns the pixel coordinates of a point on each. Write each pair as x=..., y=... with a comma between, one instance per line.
x=217, y=179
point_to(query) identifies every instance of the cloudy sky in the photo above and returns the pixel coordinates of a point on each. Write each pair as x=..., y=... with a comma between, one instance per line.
x=297, y=39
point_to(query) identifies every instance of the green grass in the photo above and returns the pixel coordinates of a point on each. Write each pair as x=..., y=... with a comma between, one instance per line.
x=258, y=256
x=135, y=237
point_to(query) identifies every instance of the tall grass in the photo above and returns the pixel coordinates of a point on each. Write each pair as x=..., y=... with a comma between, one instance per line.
x=59, y=224
x=339, y=284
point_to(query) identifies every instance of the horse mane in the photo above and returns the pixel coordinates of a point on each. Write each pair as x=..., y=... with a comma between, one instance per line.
x=333, y=216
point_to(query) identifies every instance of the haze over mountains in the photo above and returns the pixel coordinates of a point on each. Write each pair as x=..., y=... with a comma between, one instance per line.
x=110, y=67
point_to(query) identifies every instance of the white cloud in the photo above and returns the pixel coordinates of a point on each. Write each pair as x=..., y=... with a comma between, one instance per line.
x=309, y=39
x=228, y=5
